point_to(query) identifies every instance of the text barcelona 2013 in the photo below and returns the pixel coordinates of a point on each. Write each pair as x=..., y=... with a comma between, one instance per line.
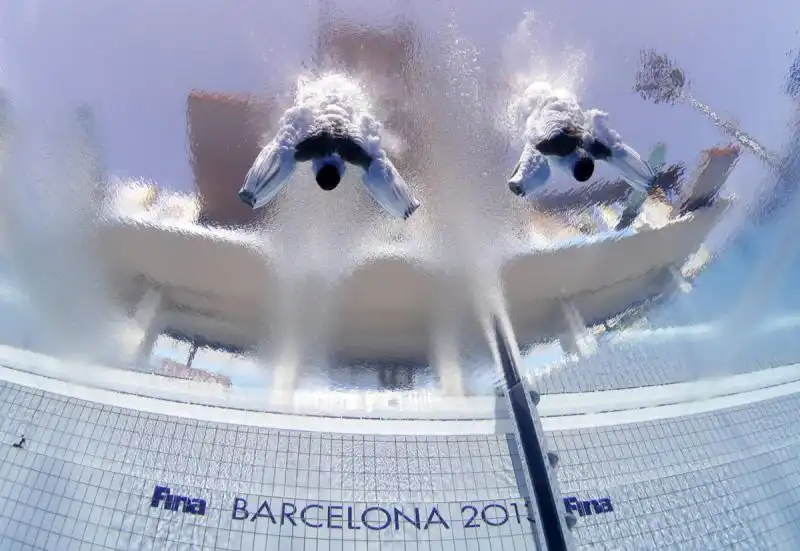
x=374, y=517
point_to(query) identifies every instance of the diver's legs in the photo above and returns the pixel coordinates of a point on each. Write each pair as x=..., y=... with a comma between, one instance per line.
x=320, y=144
x=561, y=142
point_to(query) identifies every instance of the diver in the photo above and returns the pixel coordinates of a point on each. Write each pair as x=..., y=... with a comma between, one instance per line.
x=558, y=131
x=331, y=133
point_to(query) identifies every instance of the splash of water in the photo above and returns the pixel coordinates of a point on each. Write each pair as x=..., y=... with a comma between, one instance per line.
x=531, y=56
x=466, y=213
x=331, y=97
x=315, y=239
x=50, y=222
x=467, y=218
x=464, y=170
x=474, y=219
x=540, y=70
x=343, y=217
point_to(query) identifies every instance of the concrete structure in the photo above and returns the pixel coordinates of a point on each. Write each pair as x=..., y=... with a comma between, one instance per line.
x=224, y=289
x=715, y=166
x=221, y=288
x=225, y=134
x=176, y=276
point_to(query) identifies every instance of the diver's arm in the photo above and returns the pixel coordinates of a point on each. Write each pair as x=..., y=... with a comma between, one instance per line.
x=532, y=172
x=605, y=144
x=388, y=189
x=268, y=174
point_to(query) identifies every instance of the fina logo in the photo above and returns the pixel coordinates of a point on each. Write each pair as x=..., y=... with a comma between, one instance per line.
x=173, y=502
x=584, y=508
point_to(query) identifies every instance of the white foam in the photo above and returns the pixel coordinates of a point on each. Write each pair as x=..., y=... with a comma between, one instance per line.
x=543, y=106
x=333, y=99
x=532, y=57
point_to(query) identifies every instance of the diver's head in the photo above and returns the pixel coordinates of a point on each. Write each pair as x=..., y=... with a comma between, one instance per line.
x=583, y=168
x=328, y=177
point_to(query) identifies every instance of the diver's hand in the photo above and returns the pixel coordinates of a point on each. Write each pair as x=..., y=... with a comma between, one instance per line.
x=267, y=176
x=388, y=189
x=633, y=208
x=532, y=172
x=632, y=167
